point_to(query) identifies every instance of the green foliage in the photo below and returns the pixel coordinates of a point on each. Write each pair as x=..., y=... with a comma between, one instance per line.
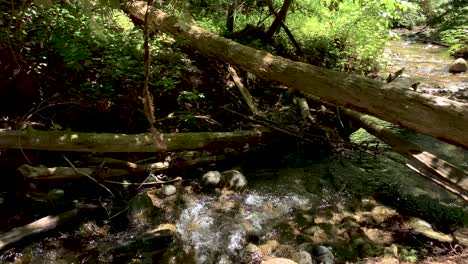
x=457, y=36
x=99, y=52
x=349, y=35
x=342, y=35
x=410, y=255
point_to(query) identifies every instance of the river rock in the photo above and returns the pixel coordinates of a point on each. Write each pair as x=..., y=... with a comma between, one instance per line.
x=278, y=261
x=285, y=251
x=269, y=246
x=321, y=253
x=303, y=257
x=168, y=190
x=150, y=243
x=459, y=65
x=211, y=179
x=231, y=179
x=251, y=254
x=141, y=209
x=324, y=255
x=234, y=180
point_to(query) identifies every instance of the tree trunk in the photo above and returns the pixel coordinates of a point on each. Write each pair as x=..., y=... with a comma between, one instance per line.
x=278, y=20
x=104, y=142
x=448, y=176
x=286, y=30
x=230, y=18
x=439, y=117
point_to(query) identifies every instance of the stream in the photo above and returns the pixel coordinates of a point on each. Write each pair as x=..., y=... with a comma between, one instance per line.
x=425, y=63
x=325, y=207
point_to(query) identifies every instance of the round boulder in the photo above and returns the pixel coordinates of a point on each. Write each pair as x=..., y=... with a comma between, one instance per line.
x=459, y=65
x=234, y=180
x=168, y=190
x=211, y=179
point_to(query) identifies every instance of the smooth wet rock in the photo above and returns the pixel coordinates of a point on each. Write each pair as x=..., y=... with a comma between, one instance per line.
x=321, y=253
x=149, y=243
x=234, y=180
x=302, y=257
x=141, y=209
x=459, y=65
x=278, y=261
x=324, y=255
x=211, y=179
x=307, y=247
x=168, y=190
x=269, y=246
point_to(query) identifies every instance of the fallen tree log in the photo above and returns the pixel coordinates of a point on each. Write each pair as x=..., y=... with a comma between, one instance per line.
x=45, y=173
x=105, y=142
x=43, y=225
x=439, y=117
x=105, y=168
x=448, y=176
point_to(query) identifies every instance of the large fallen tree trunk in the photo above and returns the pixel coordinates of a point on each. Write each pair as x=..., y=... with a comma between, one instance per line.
x=448, y=176
x=439, y=117
x=104, y=142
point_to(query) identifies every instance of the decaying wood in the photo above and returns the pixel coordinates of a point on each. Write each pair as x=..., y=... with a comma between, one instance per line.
x=177, y=160
x=105, y=142
x=45, y=173
x=41, y=226
x=278, y=127
x=388, y=101
x=392, y=77
x=305, y=110
x=109, y=168
x=245, y=93
x=422, y=160
x=442, y=184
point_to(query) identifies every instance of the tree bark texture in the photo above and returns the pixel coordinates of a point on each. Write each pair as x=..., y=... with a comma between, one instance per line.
x=279, y=18
x=449, y=176
x=104, y=142
x=439, y=117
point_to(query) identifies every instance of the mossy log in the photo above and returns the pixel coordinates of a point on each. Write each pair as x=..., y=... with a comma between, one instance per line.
x=104, y=142
x=439, y=117
x=45, y=173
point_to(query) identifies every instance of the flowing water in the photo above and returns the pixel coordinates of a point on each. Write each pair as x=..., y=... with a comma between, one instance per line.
x=425, y=63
